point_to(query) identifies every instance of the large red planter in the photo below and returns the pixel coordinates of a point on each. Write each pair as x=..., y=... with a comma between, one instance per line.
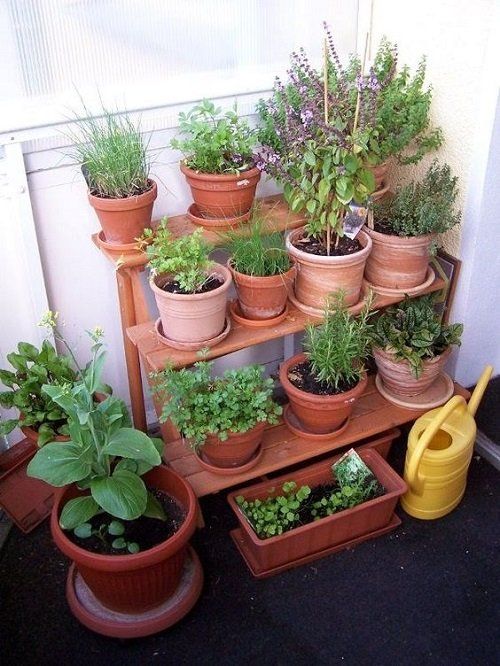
x=134, y=583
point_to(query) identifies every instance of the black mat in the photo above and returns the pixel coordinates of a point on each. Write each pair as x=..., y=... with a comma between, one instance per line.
x=426, y=594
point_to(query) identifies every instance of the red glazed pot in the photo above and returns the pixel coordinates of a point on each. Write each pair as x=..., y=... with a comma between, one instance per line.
x=222, y=195
x=262, y=297
x=319, y=413
x=236, y=450
x=124, y=220
x=134, y=583
x=397, y=375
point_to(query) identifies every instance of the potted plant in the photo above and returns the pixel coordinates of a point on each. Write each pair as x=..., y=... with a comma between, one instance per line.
x=323, y=383
x=114, y=161
x=261, y=270
x=405, y=226
x=190, y=289
x=327, y=506
x=218, y=161
x=411, y=345
x=123, y=519
x=224, y=417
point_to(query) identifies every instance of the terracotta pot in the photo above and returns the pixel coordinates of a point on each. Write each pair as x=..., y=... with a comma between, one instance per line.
x=222, y=195
x=134, y=583
x=380, y=174
x=324, y=533
x=236, y=450
x=319, y=413
x=397, y=262
x=124, y=220
x=397, y=376
x=192, y=317
x=262, y=297
x=319, y=276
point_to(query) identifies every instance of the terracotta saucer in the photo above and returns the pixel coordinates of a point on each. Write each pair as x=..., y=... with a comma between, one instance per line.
x=197, y=217
x=91, y=613
x=293, y=424
x=192, y=346
x=237, y=316
x=117, y=247
x=385, y=291
x=319, y=312
x=230, y=471
x=437, y=394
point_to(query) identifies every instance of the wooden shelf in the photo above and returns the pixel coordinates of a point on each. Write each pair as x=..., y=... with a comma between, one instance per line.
x=157, y=354
x=372, y=415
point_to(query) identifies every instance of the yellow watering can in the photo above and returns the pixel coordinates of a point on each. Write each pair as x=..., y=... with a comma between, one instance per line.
x=440, y=447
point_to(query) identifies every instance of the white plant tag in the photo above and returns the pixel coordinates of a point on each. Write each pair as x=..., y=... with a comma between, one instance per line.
x=354, y=220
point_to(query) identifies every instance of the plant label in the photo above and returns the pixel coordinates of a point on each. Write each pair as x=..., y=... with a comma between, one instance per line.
x=354, y=220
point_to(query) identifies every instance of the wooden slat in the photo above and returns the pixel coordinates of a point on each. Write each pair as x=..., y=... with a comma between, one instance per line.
x=372, y=415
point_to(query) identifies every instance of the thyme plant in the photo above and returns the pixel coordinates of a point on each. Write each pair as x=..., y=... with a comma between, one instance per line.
x=257, y=253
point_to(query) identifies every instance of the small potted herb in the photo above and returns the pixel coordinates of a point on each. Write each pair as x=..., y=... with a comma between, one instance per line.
x=405, y=228
x=411, y=345
x=114, y=161
x=223, y=417
x=323, y=383
x=262, y=272
x=114, y=500
x=190, y=289
x=218, y=161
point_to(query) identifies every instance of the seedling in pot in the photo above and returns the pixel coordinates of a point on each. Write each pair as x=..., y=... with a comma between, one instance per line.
x=110, y=534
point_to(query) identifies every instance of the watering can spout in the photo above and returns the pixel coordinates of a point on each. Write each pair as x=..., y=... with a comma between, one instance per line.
x=478, y=392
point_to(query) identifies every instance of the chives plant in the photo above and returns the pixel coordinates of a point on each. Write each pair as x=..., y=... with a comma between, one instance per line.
x=257, y=253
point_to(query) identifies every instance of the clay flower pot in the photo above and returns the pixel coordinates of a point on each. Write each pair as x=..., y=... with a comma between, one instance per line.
x=380, y=174
x=319, y=276
x=32, y=435
x=398, y=377
x=193, y=317
x=262, y=297
x=236, y=450
x=319, y=413
x=124, y=220
x=134, y=583
x=222, y=195
x=397, y=262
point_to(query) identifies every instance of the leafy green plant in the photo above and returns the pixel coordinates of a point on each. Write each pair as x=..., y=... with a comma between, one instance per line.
x=427, y=207
x=109, y=534
x=413, y=331
x=185, y=258
x=200, y=405
x=337, y=348
x=113, y=155
x=215, y=143
x=257, y=253
x=32, y=368
x=104, y=456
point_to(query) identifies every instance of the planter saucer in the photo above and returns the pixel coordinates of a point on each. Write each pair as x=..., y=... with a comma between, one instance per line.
x=91, y=613
x=237, y=316
x=320, y=312
x=265, y=573
x=197, y=217
x=192, y=346
x=117, y=247
x=230, y=471
x=411, y=291
x=293, y=424
x=436, y=395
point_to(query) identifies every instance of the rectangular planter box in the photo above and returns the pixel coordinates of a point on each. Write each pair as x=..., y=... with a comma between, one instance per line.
x=322, y=535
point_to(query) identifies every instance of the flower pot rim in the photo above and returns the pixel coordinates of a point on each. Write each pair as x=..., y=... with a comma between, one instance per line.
x=426, y=361
x=124, y=203
x=394, y=239
x=317, y=260
x=221, y=177
x=245, y=277
x=224, y=272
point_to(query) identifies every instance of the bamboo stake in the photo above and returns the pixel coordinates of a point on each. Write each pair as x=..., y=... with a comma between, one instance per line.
x=358, y=100
x=325, y=79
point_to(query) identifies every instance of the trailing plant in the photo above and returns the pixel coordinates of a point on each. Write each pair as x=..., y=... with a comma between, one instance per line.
x=185, y=258
x=413, y=331
x=32, y=369
x=105, y=456
x=200, y=405
x=257, y=253
x=215, y=143
x=427, y=207
x=337, y=348
x=112, y=153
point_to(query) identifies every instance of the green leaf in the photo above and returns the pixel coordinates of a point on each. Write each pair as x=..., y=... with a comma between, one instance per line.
x=8, y=426
x=367, y=179
x=311, y=206
x=7, y=378
x=77, y=511
x=131, y=443
x=122, y=495
x=119, y=544
x=323, y=190
x=83, y=531
x=154, y=509
x=310, y=158
x=61, y=463
x=133, y=547
x=28, y=350
x=116, y=528
x=345, y=191
x=17, y=361
x=351, y=163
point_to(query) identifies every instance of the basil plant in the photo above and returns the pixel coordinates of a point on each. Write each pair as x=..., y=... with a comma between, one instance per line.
x=105, y=456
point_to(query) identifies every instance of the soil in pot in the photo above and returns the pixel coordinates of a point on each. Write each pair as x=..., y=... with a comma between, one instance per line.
x=314, y=246
x=303, y=378
x=173, y=287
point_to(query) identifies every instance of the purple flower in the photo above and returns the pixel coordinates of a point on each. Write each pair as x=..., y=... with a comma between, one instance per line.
x=306, y=117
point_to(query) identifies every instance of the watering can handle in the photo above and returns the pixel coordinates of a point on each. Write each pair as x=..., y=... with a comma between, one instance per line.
x=412, y=476
x=477, y=394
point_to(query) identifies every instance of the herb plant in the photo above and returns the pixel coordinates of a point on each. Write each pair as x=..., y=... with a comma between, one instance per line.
x=427, y=207
x=200, y=405
x=185, y=258
x=33, y=368
x=108, y=533
x=413, y=331
x=258, y=253
x=104, y=456
x=215, y=143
